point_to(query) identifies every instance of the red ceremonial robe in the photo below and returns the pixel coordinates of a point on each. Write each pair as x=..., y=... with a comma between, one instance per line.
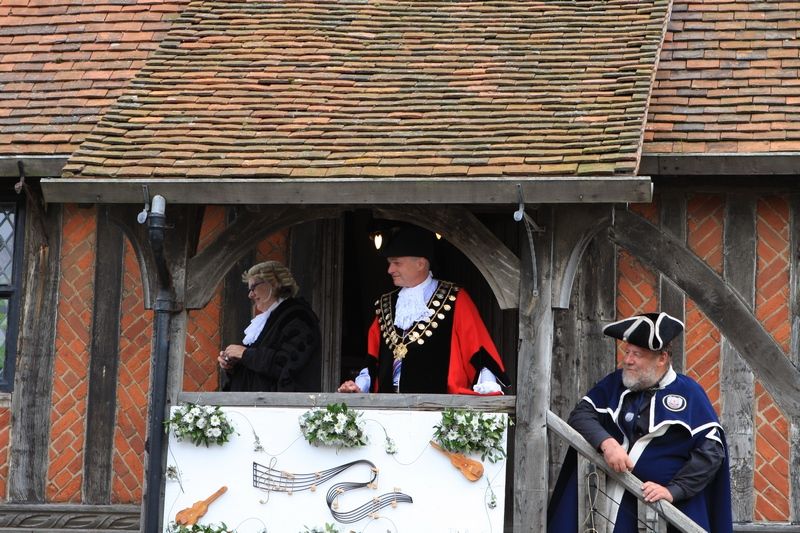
x=442, y=356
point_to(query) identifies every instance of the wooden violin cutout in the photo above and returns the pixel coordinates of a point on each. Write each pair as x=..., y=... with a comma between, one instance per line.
x=470, y=468
x=190, y=515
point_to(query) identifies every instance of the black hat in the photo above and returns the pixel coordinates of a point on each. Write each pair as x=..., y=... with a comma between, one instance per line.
x=650, y=330
x=409, y=241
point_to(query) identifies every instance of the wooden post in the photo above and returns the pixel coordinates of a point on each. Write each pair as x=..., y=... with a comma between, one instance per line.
x=316, y=258
x=33, y=380
x=737, y=382
x=794, y=298
x=533, y=380
x=103, y=361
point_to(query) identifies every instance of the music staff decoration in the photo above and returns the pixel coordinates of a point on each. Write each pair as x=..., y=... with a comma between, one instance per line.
x=269, y=478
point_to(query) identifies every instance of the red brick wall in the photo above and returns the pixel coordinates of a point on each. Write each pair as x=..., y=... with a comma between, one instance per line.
x=5, y=435
x=203, y=325
x=73, y=330
x=637, y=292
x=704, y=235
x=135, y=342
x=772, y=310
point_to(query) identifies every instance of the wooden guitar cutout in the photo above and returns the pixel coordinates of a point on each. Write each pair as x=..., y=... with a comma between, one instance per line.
x=190, y=515
x=470, y=468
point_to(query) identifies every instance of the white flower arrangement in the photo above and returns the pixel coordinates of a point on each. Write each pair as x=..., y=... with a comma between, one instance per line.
x=334, y=425
x=329, y=528
x=201, y=424
x=466, y=431
x=198, y=528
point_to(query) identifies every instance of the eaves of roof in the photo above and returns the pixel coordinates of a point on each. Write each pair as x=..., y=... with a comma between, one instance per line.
x=366, y=90
x=728, y=80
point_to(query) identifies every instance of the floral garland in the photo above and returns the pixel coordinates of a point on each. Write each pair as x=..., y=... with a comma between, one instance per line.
x=197, y=528
x=329, y=528
x=466, y=431
x=201, y=424
x=334, y=425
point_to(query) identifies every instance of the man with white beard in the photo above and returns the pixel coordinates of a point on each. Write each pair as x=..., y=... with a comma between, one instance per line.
x=660, y=425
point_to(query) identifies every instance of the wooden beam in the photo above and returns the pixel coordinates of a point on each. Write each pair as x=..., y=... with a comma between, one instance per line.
x=533, y=381
x=737, y=382
x=103, y=362
x=68, y=518
x=33, y=166
x=316, y=252
x=727, y=164
x=576, y=226
x=361, y=191
x=28, y=454
x=718, y=300
x=418, y=402
x=125, y=218
x=794, y=354
x=498, y=264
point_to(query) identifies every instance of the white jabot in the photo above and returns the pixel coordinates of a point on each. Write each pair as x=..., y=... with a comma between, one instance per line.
x=252, y=331
x=412, y=304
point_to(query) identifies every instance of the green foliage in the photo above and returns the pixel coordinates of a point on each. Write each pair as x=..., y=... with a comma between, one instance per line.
x=201, y=424
x=466, y=431
x=197, y=528
x=335, y=425
x=329, y=528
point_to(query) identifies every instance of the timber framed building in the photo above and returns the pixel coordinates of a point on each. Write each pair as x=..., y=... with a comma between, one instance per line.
x=652, y=146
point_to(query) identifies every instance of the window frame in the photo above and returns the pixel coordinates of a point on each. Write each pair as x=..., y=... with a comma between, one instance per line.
x=12, y=293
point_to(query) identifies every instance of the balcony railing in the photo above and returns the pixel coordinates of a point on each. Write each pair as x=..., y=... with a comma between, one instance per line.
x=592, y=469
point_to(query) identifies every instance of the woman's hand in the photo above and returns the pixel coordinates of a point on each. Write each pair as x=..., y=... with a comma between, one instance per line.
x=230, y=356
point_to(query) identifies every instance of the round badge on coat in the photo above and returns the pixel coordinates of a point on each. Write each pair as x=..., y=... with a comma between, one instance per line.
x=674, y=402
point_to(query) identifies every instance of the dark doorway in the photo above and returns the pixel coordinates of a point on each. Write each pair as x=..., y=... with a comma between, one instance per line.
x=365, y=279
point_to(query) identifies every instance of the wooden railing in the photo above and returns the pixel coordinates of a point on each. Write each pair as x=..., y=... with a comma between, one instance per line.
x=654, y=515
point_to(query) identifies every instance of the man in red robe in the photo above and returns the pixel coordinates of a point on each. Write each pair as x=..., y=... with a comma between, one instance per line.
x=427, y=336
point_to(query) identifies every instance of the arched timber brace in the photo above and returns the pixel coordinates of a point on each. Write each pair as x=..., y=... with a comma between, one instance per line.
x=499, y=266
x=717, y=299
x=575, y=227
x=207, y=268
x=125, y=218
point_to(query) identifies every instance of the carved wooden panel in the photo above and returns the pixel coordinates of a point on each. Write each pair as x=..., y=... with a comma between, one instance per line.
x=87, y=518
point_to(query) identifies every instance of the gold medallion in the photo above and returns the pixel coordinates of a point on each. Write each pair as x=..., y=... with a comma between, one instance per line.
x=400, y=351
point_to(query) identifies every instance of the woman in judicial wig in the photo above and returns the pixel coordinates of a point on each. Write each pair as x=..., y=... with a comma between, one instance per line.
x=281, y=346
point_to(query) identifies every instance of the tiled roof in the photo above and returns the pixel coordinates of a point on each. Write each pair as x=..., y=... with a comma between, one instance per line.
x=64, y=62
x=386, y=88
x=728, y=79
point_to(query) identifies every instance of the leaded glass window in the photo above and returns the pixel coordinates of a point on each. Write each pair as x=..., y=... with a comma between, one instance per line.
x=7, y=215
x=9, y=289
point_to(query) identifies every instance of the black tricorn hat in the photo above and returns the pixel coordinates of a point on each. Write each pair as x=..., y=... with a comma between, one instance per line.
x=651, y=330
x=409, y=241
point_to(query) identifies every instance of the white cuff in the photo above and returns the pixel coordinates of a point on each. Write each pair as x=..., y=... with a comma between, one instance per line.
x=363, y=380
x=487, y=383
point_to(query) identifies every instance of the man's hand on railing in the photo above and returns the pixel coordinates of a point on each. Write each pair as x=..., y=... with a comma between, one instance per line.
x=653, y=492
x=616, y=457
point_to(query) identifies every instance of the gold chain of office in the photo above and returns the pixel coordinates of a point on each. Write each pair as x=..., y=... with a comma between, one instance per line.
x=440, y=303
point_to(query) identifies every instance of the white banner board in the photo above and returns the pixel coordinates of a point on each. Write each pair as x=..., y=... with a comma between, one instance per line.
x=443, y=499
